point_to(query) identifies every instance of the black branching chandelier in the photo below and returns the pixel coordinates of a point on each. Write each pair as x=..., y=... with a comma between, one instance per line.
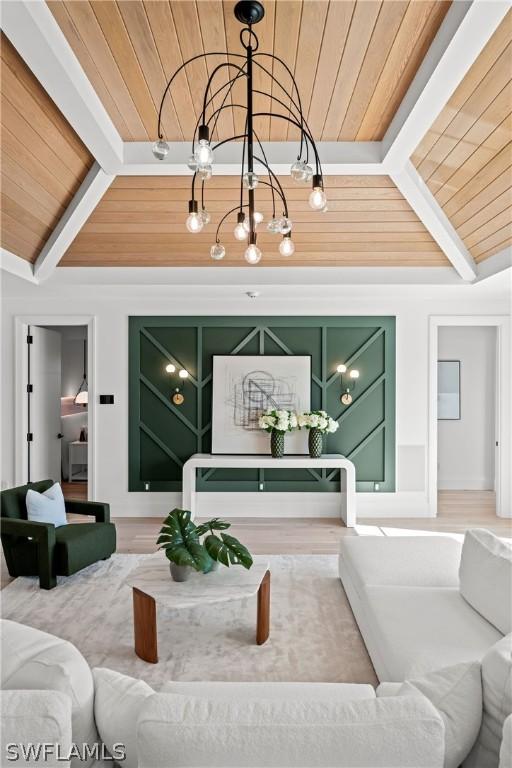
x=201, y=161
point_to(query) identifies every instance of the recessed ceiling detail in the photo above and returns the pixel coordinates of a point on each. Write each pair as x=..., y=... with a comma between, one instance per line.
x=466, y=156
x=139, y=222
x=43, y=160
x=353, y=61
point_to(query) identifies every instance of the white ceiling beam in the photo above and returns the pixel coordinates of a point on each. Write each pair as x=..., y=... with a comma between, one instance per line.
x=32, y=29
x=430, y=213
x=9, y=262
x=76, y=214
x=466, y=29
x=494, y=264
x=338, y=158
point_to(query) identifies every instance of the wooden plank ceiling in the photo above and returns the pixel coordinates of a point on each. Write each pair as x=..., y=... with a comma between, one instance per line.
x=466, y=156
x=43, y=160
x=141, y=222
x=353, y=61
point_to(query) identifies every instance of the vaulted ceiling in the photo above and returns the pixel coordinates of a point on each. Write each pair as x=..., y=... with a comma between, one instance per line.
x=139, y=221
x=43, y=160
x=466, y=156
x=355, y=63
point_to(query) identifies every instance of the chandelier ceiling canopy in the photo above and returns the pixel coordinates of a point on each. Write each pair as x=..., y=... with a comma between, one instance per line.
x=307, y=168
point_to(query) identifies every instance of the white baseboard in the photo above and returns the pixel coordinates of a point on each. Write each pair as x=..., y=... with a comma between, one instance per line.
x=233, y=505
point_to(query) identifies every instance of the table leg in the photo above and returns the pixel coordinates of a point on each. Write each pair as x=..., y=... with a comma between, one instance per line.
x=263, y=615
x=144, y=626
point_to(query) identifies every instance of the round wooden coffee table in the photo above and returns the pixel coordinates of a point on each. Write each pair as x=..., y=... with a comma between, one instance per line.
x=153, y=586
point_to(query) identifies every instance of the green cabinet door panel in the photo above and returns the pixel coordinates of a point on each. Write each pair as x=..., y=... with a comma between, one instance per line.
x=163, y=436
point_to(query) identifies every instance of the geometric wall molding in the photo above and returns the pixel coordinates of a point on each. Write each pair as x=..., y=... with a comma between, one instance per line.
x=163, y=436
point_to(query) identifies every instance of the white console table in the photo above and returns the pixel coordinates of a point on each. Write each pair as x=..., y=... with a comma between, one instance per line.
x=235, y=461
x=77, y=455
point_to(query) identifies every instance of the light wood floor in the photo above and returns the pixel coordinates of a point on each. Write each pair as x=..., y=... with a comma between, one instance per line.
x=457, y=511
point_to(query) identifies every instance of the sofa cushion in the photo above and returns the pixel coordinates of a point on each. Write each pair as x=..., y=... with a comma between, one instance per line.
x=32, y=719
x=46, y=507
x=497, y=704
x=327, y=692
x=117, y=705
x=506, y=744
x=486, y=577
x=420, y=629
x=175, y=730
x=456, y=692
x=414, y=561
x=35, y=660
x=80, y=544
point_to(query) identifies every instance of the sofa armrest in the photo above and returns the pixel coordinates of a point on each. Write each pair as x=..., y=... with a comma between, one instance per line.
x=97, y=509
x=27, y=528
x=31, y=719
x=44, y=536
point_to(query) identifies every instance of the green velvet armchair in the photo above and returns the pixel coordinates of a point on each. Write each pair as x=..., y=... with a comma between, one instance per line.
x=40, y=549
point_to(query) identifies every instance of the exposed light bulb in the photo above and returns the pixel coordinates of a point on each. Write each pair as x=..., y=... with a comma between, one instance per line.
x=274, y=226
x=170, y=368
x=217, y=252
x=204, y=172
x=257, y=217
x=183, y=374
x=252, y=254
x=203, y=153
x=205, y=217
x=317, y=199
x=194, y=223
x=285, y=225
x=297, y=170
x=341, y=368
x=250, y=180
x=354, y=374
x=308, y=173
x=160, y=149
x=240, y=231
x=191, y=163
x=286, y=246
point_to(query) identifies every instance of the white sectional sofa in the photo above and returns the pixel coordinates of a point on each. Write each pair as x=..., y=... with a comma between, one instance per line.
x=407, y=599
x=416, y=616
x=404, y=592
x=211, y=725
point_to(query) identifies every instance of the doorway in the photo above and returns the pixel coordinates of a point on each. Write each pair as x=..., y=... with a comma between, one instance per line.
x=71, y=455
x=469, y=414
x=54, y=403
x=466, y=415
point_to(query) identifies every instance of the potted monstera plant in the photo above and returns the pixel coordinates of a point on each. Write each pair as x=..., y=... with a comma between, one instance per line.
x=180, y=539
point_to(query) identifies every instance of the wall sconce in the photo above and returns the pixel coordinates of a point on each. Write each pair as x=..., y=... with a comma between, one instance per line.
x=178, y=398
x=347, y=386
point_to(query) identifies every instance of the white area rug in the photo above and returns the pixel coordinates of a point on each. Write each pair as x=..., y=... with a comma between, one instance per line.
x=313, y=634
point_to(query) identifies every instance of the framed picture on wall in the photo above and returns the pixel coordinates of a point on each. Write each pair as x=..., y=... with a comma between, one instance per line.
x=244, y=386
x=448, y=390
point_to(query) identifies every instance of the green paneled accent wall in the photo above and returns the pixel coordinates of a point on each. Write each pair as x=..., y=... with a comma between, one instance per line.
x=163, y=436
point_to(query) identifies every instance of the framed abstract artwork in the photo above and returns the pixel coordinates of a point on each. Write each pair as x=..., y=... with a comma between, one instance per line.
x=244, y=386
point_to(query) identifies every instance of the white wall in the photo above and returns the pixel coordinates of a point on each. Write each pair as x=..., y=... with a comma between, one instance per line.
x=465, y=447
x=111, y=305
x=72, y=352
x=72, y=360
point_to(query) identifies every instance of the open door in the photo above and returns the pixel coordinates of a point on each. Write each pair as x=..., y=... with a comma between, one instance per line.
x=43, y=404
